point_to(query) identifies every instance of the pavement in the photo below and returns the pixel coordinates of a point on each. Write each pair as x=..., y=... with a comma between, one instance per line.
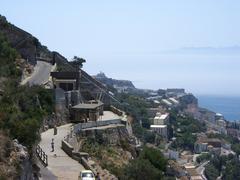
x=60, y=165
x=108, y=115
x=40, y=74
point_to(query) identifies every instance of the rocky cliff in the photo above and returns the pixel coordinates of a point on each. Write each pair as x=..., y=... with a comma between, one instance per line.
x=109, y=147
x=15, y=160
x=124, y=84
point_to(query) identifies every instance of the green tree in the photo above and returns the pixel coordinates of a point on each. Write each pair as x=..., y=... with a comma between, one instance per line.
x=155, y=157
x=211, y=172
x=78, y=62
x=141, y=169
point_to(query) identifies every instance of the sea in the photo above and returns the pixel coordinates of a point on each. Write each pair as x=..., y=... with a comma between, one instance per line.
x=228, y=106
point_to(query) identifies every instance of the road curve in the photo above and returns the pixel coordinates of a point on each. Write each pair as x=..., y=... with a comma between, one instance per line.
x=40, y=74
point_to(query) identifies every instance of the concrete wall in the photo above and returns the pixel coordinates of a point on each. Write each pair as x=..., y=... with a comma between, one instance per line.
x=80, y=126
x=81, y=157
x=67, y=148
x=86, y=165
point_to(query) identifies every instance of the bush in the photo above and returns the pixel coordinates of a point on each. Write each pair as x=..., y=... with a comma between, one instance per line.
x=21, y=113
x=141, y=169
x=149, y=165
x=203, y=157
x=8, y=57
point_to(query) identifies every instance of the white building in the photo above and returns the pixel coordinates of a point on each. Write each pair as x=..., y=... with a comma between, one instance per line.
x=162, y=119
x=222, y=126
x=160, y=129
x=174, y=101
x=166, y=102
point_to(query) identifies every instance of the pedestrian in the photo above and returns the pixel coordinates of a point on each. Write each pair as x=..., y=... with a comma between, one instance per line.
x=98, y=176
x=52, y=144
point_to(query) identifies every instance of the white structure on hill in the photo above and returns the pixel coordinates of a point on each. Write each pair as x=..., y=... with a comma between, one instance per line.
x=161, y=119
x=160, y=129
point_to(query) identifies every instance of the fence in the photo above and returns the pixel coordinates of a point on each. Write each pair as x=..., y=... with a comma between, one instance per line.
x=42, y=155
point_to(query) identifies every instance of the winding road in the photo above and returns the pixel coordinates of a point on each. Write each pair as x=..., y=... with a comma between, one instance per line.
x=40, y=74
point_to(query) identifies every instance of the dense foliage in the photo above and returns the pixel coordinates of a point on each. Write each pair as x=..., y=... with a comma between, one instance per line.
x=185, y=128
x=227, y=166
x=203, y=157
x=137, y=107
x=8, y=57
x=22, y=108
x=149, y=165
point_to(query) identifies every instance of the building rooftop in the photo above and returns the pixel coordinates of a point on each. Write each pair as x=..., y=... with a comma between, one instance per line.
x=161, y=116
x=166, y=102
x=158, y=126
x=174, y=100
x=164, y=116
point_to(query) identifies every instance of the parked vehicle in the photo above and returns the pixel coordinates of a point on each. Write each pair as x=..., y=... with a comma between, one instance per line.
x=86, y=175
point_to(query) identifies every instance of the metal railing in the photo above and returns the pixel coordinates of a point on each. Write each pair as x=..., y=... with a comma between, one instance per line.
x=42, y=155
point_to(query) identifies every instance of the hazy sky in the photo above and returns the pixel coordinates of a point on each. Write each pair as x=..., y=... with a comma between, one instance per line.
x=126, y=39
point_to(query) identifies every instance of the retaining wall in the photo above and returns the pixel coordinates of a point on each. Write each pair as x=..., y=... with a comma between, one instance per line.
x=80, y=126
x=81, y=157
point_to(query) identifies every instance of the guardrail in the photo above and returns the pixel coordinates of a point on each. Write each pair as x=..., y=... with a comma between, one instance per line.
x=42, y=155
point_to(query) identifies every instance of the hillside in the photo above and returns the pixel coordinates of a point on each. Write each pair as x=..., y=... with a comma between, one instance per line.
x=120, y=85
x=28, y=46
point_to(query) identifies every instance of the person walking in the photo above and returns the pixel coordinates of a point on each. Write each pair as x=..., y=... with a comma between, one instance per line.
x=52, y=144
x=98, y=176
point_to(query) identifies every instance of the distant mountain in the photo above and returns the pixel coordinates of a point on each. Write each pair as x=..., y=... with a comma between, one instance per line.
x=120, y=85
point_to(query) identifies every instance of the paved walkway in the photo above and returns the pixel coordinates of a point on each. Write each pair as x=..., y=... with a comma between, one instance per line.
x=108, y=115
x=59, y=163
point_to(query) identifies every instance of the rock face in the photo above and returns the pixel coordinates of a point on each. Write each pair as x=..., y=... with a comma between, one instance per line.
x=25, y=164
x=109, y=148
x=118, y=84
x=14, y=160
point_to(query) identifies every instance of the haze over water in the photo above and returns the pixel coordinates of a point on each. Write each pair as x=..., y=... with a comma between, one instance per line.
x=197, y=73
x=142, y=41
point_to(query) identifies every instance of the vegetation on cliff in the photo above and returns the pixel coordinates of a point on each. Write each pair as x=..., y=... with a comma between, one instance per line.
x=185, y=128
x=149, y=165
x=22, y=108
x=8, y=55
x=227, y=166
x=8, y=163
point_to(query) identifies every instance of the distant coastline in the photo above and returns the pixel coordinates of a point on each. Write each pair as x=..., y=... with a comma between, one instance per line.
x=228, y=106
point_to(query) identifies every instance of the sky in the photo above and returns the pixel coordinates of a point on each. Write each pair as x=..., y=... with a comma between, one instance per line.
x=155, y=43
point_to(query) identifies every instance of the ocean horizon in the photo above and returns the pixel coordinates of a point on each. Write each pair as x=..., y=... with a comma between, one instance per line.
x=228, y=106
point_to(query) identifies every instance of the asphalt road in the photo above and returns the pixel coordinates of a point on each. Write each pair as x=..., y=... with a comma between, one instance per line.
x=40, y=74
